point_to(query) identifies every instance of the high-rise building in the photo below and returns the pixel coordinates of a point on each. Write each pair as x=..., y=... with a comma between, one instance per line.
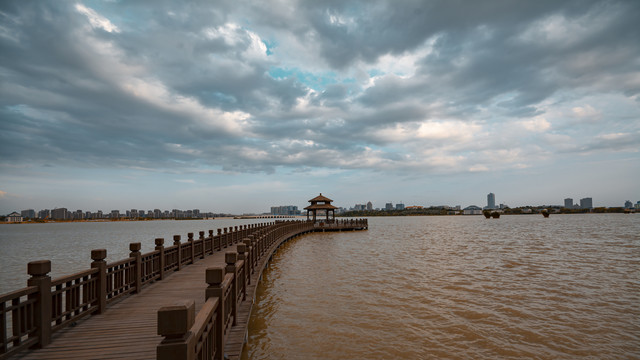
x=285, y=210
x=586, y=203
x=388, y=206
x=400, y=206
x=43, y=214
x=568, y=203
x=28, y=214
x=369, y=206
x=59, y=214
x=491, y=201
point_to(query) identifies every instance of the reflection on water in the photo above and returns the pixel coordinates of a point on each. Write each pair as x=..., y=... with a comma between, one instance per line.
x=455, y=287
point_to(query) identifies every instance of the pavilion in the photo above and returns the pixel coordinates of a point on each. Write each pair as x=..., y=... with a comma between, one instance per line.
x=321, y=203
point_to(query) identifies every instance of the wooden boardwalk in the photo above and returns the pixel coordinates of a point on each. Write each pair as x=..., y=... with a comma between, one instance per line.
x=127, y=330
x=129, y=326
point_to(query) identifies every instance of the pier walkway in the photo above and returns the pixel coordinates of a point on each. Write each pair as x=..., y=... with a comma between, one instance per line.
x=196, y=294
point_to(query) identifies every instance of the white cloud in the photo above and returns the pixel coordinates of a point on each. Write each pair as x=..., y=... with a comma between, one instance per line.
x=96, y=20
x=537, y=124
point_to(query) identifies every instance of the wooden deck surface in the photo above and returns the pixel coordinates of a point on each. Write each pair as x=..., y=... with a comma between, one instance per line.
x=127, y=329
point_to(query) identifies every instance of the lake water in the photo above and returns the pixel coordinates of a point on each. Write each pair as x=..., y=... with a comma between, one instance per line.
x=460, y=287
x=452, y=287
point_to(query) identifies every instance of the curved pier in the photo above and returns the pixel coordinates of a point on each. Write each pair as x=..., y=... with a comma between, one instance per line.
x=186, y=301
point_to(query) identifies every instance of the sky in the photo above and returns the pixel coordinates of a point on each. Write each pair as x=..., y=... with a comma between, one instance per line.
x=237, y=106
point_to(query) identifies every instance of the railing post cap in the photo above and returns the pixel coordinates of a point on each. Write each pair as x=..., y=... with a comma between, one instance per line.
x=176, y=319
x=242, y=248
x=190, y=236
x=98, y=254
x=201, y=233
x=230, y=257
x=159, y=241
x=211, y=232
x=39, y=268
x=135, y=246
x=176, y=238
x=215, y=275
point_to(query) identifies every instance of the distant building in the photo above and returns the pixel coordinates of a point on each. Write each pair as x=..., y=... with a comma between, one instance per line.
x=638, y=205
x=285, y=210
x=44, y=214
x=388, y=206
x=586, y=203
x=14, y=217
x=369, y=206
x=491, y=201
x=28, y=214
x=59, y=214
x=568, y=203
x=628, y=204
x=115, y=214
x=400, y=206
x=472, y=210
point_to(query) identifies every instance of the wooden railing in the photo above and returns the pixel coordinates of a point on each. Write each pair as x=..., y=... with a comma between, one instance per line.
x=204, y=336
x=30, y=315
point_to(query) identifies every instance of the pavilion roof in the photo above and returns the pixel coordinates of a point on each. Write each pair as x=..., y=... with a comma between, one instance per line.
x=320, y=198
x=320, y=207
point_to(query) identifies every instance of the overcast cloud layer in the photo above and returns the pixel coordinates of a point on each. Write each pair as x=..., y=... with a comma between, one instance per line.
x=242, y=105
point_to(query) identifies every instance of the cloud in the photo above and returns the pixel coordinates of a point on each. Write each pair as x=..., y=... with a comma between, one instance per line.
x=416, y=87
x=96, y=20
x=2, y=194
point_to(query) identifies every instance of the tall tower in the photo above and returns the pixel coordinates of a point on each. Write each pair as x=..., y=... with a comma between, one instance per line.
x=491, y=201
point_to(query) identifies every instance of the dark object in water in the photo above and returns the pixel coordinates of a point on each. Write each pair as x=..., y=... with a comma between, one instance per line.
x=545, y=213
x=487, y=214
x=495, y=215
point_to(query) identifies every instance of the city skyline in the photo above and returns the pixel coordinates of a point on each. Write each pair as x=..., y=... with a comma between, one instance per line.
x=275, y=210
x=234, y=107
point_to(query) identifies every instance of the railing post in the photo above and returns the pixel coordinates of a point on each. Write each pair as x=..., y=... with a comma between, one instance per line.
x=219, y=239
x=176, y=242
x=211, y=239
x=137, y=272
x=98, y=256
x=203, y=247
x=193, y=247
x=242, y=255
x=231, y=258
x=236, y=236
x=174, y=323
x=39, y=271
x=247, y=242
x=214, y=277
x=160, y=247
